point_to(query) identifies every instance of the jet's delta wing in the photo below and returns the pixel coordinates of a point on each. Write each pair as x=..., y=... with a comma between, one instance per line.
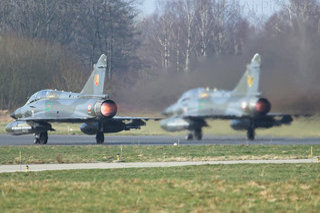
x=244, y=106
x=95, y=110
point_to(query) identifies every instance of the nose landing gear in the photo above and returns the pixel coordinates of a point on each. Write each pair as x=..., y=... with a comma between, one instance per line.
x=195, y=134
x=41, y=138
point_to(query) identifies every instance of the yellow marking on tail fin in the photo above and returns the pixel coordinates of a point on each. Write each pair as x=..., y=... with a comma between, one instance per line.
x=250, y=80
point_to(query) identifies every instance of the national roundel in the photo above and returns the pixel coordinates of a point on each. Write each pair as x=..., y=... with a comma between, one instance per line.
x=89, y=107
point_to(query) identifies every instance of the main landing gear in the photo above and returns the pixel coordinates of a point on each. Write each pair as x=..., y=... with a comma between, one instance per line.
x=100, y=137
x=251, y=131
x=41, y=138
x=195, y=134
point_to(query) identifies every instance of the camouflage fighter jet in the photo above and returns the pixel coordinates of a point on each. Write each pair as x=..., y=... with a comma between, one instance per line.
x=95, y=110
x=244, y=106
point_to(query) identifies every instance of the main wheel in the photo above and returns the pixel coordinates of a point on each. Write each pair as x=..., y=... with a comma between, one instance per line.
x=250, y=134
x=198, y=134
x=43, y=137
x=100, y=138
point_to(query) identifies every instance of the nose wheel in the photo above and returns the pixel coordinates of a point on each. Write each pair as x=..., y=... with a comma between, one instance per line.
x=41, y=138
x=195, y=134
x=189, y=137
x=100, y=138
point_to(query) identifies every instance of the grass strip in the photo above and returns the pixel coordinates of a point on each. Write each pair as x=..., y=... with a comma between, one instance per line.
x=85, y=154
x=216, y=188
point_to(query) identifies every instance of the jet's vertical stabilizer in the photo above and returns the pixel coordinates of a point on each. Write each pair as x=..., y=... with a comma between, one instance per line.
x=249, y=83
x=95, y=83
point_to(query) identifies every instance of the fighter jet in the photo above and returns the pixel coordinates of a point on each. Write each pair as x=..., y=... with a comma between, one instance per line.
x=244, y=106
x=95, y=110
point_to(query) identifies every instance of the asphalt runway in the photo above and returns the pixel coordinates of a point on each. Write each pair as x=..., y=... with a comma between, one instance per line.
x=6, y=140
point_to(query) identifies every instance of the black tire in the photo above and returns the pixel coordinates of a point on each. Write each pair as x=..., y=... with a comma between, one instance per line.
x=198, y=134
x=189, y=137
x=36, y=141
x=36, y=138
x=250, y=134
x=100, y=138
x=43, y=138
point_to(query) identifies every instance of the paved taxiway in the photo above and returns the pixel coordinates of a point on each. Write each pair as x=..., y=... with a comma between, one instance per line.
x=47, y=167
x=154, y=140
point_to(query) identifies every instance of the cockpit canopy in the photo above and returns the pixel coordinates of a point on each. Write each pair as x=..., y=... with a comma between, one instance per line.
x=203, y=93
x=44, y=94
x=194, y=93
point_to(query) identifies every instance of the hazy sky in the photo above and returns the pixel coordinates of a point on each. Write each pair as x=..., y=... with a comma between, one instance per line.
x=148, y=6
x=261, y=7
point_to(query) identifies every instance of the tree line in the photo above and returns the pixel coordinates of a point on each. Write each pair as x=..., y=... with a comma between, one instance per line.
x=81, y=30
x=184, y=43
x=186, y=31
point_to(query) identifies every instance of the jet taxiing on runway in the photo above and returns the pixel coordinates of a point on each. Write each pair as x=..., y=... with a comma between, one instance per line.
x=95, y=110
x=243, y=105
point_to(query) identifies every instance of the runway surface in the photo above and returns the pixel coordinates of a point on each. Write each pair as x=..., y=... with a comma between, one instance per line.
x=51, y=167
x=154, y=140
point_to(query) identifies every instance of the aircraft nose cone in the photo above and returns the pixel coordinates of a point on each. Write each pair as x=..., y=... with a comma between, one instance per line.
x=163, y=124
x=168, y=111
x=16, y=114
x=165, y=112
x=13, y=115
x=9, y=128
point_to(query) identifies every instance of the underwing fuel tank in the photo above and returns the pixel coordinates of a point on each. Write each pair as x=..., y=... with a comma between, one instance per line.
x=91, y=128
x=244, y=124
x=175, y=124
x=265, y=122
x=24, y=128
x=109, y=126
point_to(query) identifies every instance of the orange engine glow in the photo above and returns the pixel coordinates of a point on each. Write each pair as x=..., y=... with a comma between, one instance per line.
x=108, y=108
x=263, y=106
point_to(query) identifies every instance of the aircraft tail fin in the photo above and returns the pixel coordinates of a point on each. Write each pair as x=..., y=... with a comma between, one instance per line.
x=95, y=83
x=249, y=83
